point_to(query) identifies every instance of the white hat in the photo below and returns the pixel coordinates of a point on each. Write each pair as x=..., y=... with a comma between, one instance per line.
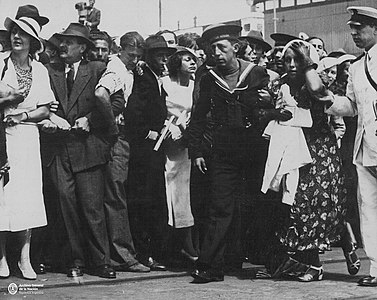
x=346, y=57
x=181, y=49
x=312, y=52
x=361, y=15
x=327, y=63
x=29, y=25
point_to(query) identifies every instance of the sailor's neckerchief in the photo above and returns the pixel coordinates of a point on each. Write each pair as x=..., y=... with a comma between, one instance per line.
x=244, y=70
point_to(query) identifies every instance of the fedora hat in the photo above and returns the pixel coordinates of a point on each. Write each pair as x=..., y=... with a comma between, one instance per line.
x=155, y=42
x=4, y=39
x=77, y=30
x=31, y=11
x=255, y=37
x=281, y=39
x=29, y=25
x=53, y=41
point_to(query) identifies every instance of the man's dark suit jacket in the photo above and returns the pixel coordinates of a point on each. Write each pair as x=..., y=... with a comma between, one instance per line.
x=85, y=150
x=94, y=17
x=146, y=110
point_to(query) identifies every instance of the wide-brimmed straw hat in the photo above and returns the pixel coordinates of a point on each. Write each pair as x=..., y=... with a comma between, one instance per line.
x=327, y=63
x=27, y=24
x=77, y=30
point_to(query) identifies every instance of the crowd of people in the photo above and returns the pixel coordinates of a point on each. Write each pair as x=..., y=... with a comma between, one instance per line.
x=191, y=151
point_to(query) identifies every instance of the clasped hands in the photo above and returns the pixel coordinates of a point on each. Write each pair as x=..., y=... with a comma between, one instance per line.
x=55, y=123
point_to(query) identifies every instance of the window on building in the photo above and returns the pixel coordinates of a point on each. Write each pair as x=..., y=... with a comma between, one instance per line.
x=270, y=4
x=287, y=3
x=314, y=1
x=300, y=2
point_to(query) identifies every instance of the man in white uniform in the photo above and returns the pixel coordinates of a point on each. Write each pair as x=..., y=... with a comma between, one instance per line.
x=362, y=100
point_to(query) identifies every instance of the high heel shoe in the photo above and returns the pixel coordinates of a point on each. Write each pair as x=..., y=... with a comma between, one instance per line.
x=27, y=273
x=4, y=272
x=312, y=274
x=353, y=262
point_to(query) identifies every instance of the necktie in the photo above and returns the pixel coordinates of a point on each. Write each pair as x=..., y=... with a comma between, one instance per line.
x=70, y=79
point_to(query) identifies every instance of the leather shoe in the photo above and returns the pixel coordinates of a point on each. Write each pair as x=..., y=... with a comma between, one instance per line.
x=136, y=268
x=75, y=272
x=105, y=271
x=368, y=281
x=40, y=269
x=206, y=276
x=154, y=265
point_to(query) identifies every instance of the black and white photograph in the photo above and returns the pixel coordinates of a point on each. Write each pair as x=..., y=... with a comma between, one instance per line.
x=188, y=149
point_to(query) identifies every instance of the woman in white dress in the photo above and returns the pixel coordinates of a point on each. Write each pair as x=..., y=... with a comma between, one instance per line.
x=21, y=205
x=179, y=87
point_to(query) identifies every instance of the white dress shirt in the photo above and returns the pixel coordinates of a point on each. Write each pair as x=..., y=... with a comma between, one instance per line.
x=75, y=68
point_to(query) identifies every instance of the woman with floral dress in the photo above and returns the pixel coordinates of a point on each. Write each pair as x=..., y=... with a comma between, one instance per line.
x=317, y=214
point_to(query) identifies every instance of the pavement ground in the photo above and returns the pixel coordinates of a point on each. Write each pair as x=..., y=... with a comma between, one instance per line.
x=337, y=284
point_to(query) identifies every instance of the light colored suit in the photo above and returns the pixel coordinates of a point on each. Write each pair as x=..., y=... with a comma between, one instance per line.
x=361, y=100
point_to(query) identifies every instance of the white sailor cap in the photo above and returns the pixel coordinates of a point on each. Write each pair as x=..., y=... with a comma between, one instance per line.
x=362, y=15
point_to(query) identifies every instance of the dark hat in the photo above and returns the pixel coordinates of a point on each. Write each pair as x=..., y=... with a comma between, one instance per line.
x=31, y=11
x=218, y=32
x=77, y=30
x=4, y=34
x=362, y=15
x=4, y=39
x=337, y=53
x=53, y=41
x=255, y=37
x=281, y=39
x=201, y=43
x=156, y=42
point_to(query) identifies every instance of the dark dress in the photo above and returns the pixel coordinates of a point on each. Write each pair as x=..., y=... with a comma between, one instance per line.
x=317, y=216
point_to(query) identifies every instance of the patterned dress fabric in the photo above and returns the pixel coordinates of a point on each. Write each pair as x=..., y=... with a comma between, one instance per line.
x=317, y=215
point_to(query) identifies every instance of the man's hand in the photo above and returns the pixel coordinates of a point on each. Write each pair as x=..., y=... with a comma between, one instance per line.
x=264, y=96
x=47, y=126
x=82, y=124
x=282, y=114
x=61, y=123
x=139, y=67
x=13, y=120
x=54, y=106
x=13, y=99
x=200, y=163
x=153, y=135
x=175, y=132
x=303, y=54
